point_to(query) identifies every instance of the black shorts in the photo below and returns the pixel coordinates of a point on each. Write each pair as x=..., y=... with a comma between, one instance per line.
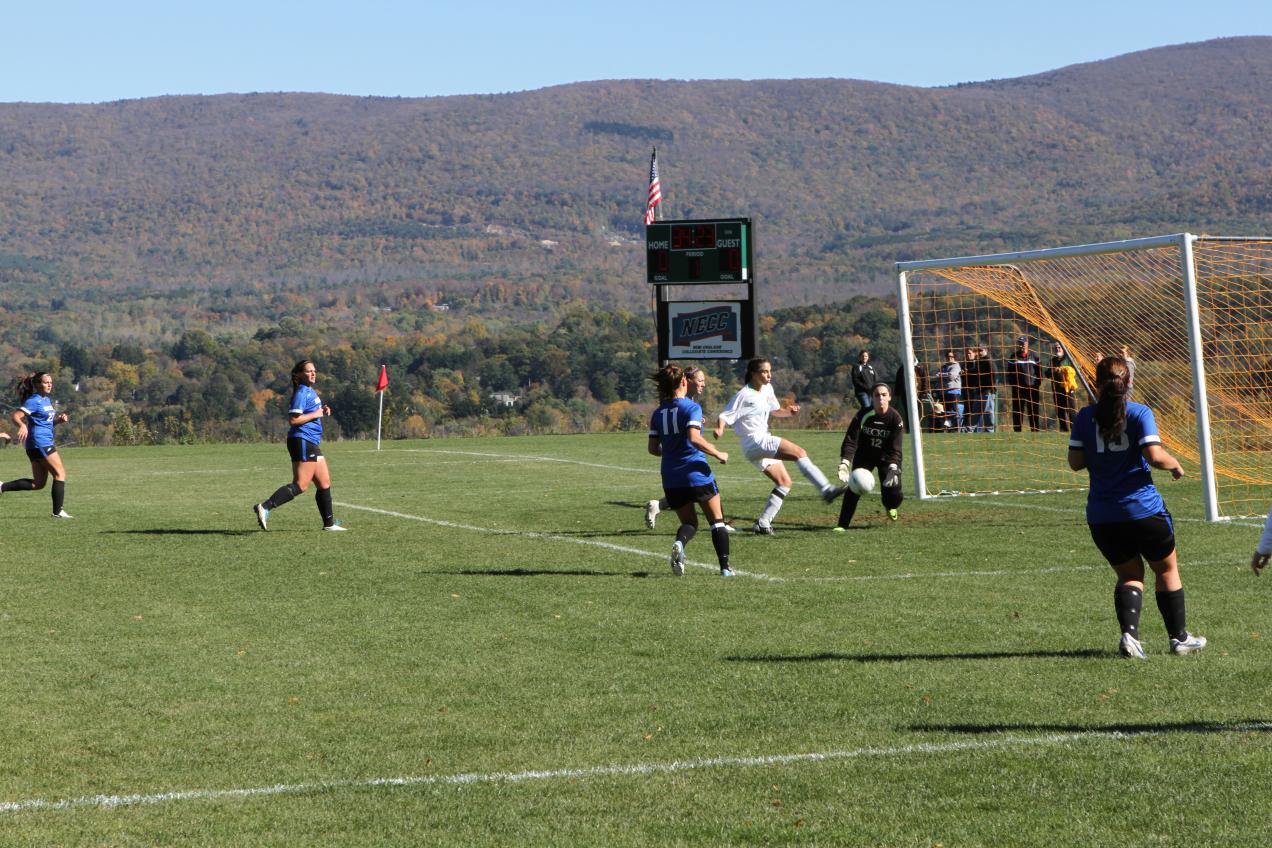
x=38, y=454
x=302, y=451
x=1152, y=538
x=678, y=497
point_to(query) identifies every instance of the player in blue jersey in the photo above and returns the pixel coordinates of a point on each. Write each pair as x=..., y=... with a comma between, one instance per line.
x=1116, y=441
x=36, y=418
x=303, y=438
x=675, y=434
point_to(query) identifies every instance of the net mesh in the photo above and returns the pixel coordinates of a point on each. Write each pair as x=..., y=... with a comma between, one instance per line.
x=1091, y=305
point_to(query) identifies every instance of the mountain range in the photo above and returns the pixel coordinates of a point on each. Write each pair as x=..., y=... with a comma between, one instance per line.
x=527, y=200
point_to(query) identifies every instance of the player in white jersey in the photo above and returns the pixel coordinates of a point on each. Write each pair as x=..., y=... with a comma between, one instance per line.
x=749, y=413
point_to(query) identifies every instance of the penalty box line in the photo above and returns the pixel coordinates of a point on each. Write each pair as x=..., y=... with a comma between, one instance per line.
x=530, y=534
x=631, y=770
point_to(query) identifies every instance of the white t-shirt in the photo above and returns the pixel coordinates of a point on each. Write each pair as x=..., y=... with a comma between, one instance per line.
x=749, y=410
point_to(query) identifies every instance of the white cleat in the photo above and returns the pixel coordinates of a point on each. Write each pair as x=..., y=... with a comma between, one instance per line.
x=65, y=514
x=1131, y=647
x=651, y=514
x=1190, y=644
x=677, y=559
x=336, y=528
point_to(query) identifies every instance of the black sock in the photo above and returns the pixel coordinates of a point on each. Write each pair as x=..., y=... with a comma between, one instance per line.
x=1128, y=602
x=59, y=495
x=323, y=498
x=848, y=508
x=684, y=533
x=1171, y=606
x=720, y=540
x=26, y=484
x=282, y=496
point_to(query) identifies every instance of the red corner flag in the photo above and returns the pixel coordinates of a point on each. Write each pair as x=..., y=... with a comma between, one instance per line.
x=382, y=383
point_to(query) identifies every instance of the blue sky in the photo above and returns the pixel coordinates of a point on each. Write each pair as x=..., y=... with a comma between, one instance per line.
x=85, y=52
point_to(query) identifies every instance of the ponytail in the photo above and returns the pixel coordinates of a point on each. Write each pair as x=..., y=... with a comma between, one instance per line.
x=668, y=380
x=1112, y=381
x=27, y=385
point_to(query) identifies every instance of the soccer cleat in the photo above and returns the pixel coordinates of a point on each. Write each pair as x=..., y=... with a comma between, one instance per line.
x=726, y=572
x=336, y=528
x=892, y=515
x=1190, y=644
x=729, y=528
x=651, y=514
x=65, y=514
x=262, y=516
x=831, y=492
x=1131, y=647
x=762, y=529
x=838, y=529
x=677, y=559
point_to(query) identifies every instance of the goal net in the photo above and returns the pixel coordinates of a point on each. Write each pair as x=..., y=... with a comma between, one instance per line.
x=1193, y=312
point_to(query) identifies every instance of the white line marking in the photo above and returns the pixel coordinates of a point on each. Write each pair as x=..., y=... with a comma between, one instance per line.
x=912, y=576
x=555, y=538
x=506, y=457
x=632, y=770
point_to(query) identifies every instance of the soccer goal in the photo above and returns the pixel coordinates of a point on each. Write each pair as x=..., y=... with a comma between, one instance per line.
x=1194, y=312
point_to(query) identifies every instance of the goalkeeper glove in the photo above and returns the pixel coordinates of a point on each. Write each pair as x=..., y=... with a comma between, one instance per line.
x=893, y=477
x=845, y=470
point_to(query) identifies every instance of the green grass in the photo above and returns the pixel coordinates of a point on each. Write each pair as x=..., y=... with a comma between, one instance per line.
x=957, y=669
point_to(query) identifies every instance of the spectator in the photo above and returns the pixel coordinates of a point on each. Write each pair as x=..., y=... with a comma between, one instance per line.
x=1023, y=378
x=987, y=420
x=1064, y=386
x=952, y=392
x=863, y=378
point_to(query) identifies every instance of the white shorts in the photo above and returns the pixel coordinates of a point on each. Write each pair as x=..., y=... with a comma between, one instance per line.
x=761, y=451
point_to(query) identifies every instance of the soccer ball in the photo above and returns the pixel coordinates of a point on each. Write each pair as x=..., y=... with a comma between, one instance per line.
x=861, y=481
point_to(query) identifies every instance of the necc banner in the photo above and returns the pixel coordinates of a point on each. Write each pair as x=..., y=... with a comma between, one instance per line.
x=711, y=330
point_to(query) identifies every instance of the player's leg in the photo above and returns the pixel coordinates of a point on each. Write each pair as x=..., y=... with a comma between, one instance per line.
x=1128, y=603
x=890, y=491
x=322, y=495
x=55, y=469
x=27, y=484
x=684, y=534
x=714, y=513
x=775, y=471
x=1158, y=544
x=786, y=449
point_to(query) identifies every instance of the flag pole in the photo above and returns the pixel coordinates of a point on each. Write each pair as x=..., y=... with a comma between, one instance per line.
x=379, y=421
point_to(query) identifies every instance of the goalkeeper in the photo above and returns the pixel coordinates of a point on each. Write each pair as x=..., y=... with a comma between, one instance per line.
x=873, y=441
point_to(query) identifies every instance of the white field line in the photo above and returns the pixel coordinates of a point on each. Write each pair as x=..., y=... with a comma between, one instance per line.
x=512, y=457
x=632, y=770
x=623, y=549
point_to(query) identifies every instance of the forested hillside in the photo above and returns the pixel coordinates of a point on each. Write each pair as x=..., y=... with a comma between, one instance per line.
x=269, y=225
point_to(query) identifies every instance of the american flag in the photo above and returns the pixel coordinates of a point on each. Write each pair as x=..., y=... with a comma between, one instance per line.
x=655, y=191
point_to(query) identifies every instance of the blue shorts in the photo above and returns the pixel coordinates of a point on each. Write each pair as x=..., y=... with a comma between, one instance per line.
x=38, y=454
x=302, y=451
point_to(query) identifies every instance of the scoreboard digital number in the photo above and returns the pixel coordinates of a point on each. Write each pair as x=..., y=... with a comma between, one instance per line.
x=698, y=251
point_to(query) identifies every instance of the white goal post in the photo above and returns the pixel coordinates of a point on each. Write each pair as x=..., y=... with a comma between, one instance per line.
x=1194, y=313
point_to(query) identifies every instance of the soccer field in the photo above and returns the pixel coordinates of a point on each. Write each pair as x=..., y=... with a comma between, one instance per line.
x=498, y=654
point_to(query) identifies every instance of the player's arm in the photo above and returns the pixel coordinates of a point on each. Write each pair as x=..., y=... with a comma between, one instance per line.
x=848, y=447
x=655, y=446
x=892, y=450
x=695, y=439
x=785, y=411
x=1077, y=458
x=1157, y=457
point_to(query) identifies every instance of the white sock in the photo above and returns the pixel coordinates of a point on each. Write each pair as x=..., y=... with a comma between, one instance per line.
x=813, y=473
x=774, y=504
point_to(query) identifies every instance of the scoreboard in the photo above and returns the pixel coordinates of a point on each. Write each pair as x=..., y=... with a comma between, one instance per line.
x=698, y=251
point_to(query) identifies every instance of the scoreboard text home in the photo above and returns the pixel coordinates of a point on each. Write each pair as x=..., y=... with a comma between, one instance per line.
x=702, y=253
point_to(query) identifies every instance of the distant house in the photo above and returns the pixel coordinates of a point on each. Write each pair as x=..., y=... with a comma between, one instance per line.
x=505, y=398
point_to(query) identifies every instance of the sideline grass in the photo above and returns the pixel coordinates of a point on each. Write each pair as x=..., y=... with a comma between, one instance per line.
x=159, y=643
